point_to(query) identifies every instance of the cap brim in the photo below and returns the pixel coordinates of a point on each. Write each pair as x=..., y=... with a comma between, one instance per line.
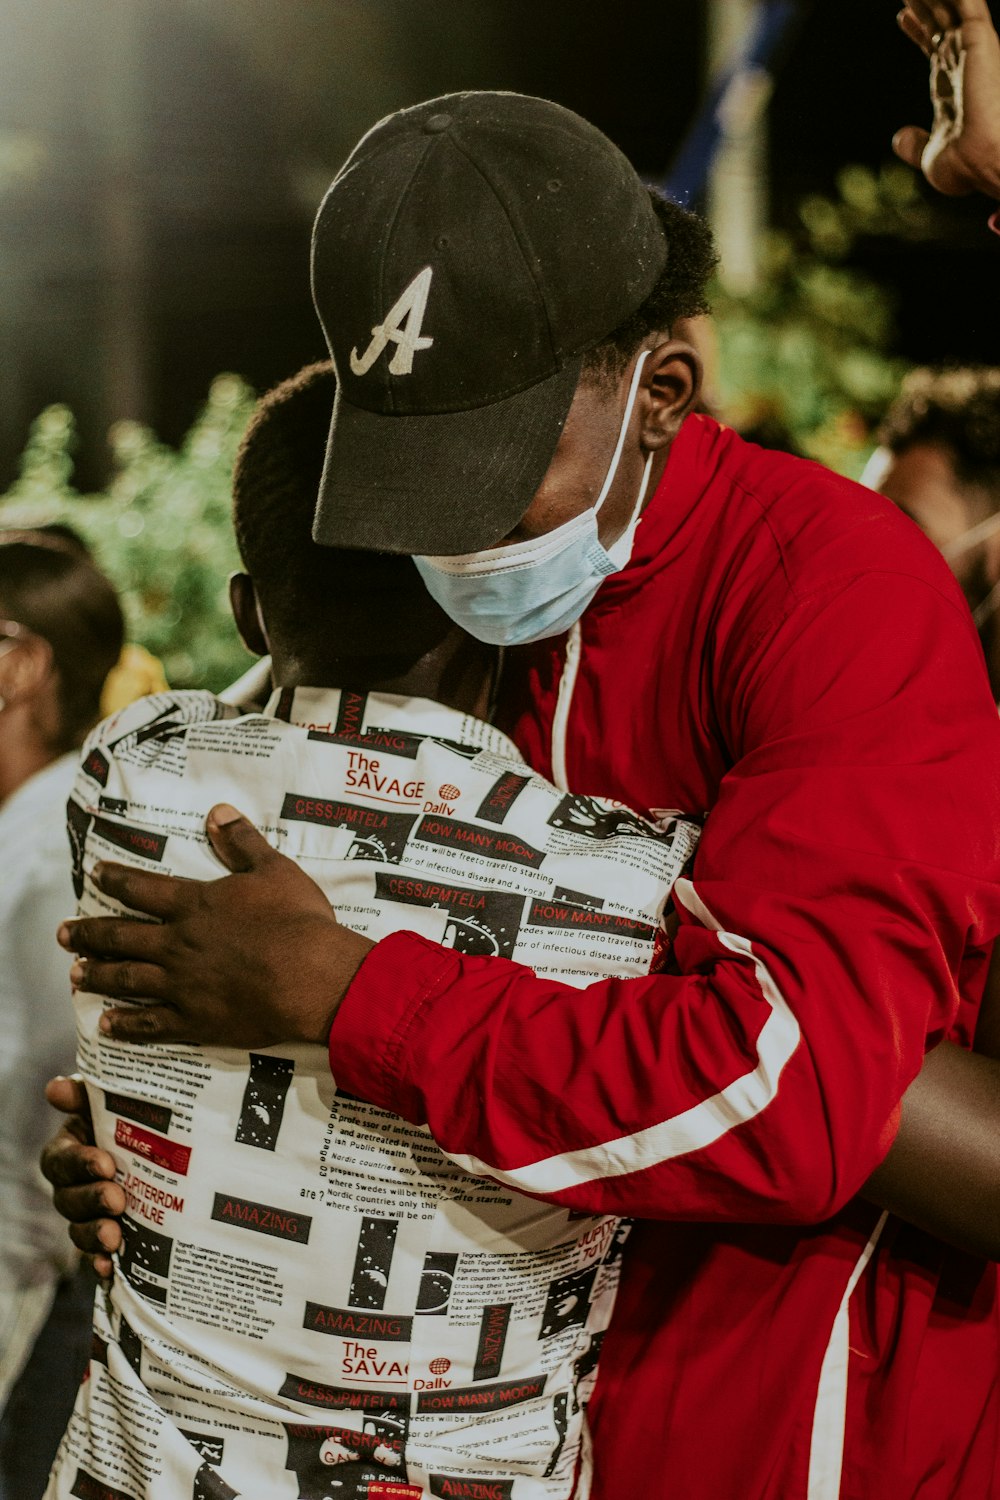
x=441, y=484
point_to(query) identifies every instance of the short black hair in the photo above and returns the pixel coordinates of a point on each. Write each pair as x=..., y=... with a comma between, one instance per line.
x=54, y=590
x=681, y=291
x=362, y=605
x=956, y=407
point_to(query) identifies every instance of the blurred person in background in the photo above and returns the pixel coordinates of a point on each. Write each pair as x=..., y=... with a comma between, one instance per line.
x=939, y=461
x=61, y=633
x=137, y=673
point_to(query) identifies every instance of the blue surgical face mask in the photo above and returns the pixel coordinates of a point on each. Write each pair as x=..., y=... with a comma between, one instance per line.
x=526, y=591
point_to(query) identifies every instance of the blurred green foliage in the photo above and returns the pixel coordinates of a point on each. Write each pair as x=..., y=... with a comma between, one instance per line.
x=809, y=349
x=161, y=530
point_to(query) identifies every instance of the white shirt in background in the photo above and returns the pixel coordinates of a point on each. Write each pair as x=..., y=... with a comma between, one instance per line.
x=37, y=1040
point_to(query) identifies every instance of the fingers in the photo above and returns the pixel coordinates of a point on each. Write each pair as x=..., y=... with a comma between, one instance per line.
x=147, y=1023
x=922, y=14
x=912, y=28
x=70, y=1160
x=100, y=1238
x=909, y=144
x=96, y=1203
x=128, y=980
x=935, y=15
x=141, y=890
x=68, y=1095
x=236, y=841
x=113, y=937
x=924, y=22
x=83, y=1177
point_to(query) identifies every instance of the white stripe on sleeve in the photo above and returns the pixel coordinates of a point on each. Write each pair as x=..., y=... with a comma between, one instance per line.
x=695, y=1128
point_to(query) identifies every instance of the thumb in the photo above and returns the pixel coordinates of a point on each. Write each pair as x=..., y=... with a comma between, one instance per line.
x=909, y=144
x=68, y=1095
x=235, y=840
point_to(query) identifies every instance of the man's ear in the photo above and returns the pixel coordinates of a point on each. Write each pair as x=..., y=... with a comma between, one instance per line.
x=25, y=668
x=672, y=379
x=243, y=603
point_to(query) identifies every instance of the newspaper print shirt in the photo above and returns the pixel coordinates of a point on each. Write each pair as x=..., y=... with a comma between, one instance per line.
x=312, y=1300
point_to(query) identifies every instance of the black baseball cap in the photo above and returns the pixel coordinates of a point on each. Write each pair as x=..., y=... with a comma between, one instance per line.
x=468, y=254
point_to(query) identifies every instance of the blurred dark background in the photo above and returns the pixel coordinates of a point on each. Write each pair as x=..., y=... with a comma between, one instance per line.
x=160, y=165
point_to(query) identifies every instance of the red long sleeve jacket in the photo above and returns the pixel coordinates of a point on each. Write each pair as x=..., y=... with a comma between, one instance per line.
x=786, y=654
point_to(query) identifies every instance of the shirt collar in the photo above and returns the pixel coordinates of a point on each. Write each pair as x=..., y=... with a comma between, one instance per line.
x=51, y=784
x=341, y=712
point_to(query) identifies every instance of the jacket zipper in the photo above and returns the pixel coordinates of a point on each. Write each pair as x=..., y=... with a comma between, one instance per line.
x=567, y=683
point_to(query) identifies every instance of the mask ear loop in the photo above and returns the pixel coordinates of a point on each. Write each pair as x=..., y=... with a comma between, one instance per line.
x=621, y=550
x=623, y=430
x=642, y=489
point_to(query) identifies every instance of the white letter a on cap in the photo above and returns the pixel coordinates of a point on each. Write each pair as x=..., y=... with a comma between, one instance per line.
x=409, y=306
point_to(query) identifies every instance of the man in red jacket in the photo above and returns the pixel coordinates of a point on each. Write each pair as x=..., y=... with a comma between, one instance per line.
x=758, y=639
